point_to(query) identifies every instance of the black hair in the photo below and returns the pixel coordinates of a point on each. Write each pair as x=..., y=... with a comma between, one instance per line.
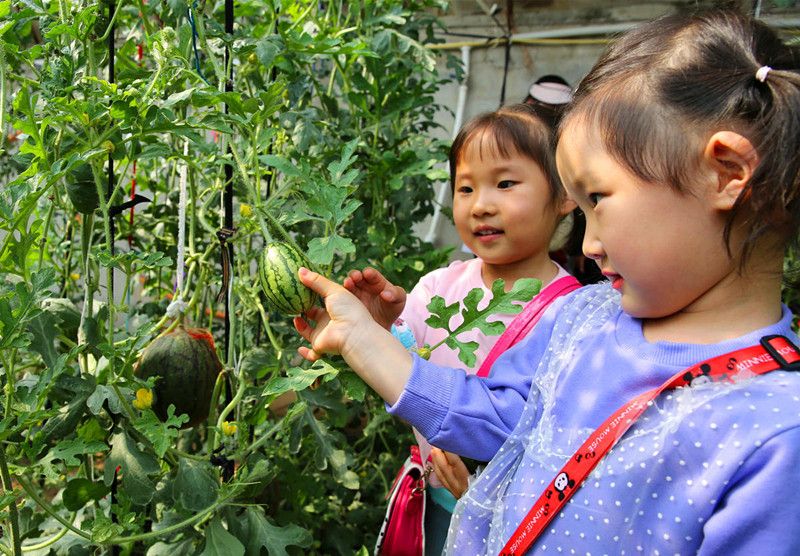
x=661, y=89
x=551, y=78
x=514, y=129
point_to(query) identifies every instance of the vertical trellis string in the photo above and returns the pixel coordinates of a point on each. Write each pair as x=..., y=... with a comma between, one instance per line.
x=177, y=307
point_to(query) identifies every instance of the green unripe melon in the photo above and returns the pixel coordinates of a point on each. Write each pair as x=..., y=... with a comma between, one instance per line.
x=277, y=271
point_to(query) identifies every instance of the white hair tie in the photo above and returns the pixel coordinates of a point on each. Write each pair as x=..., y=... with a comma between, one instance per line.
x=761, y=73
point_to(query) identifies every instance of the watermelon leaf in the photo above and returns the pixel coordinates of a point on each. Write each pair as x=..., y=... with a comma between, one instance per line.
x=219, y=541
x=501, y=302
x=135, y=465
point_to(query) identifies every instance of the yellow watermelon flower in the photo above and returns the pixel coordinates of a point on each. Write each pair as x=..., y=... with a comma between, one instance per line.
x=228, y=428
x=245, y=210
x=75, y=276
x=144, y=399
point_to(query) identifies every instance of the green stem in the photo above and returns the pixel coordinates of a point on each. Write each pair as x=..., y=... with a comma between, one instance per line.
x=52, y=540
x=109, y=241
x=13, y=516
x=2, y=98
x=9, y=368
x=331, y=80
x=178, y=453
x=301, y=17
x=152, y=84
x=221, y=377
x=148, y=29
x=201, y=35
x=111, y=23
x=124, y=402
x=192, y=211
x=262, y=439
x=42, y=503
x=47, y=222
x=200, y=516
x=276, y=345
x=29, y=489
x=87, y=224
x=231, y=405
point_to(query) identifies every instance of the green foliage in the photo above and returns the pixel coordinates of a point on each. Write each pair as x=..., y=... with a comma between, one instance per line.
x=326, y=134
x=502, y=302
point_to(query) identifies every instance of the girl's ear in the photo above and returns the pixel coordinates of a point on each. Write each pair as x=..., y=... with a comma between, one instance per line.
x=567, y=206
x=732, y=159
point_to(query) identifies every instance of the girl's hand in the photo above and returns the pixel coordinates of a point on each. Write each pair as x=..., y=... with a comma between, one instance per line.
x=451, y=471
x=337, y=325
x=384, y=300
x=345, y=326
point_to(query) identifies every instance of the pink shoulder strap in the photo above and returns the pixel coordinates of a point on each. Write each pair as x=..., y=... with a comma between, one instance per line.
x=527, y=319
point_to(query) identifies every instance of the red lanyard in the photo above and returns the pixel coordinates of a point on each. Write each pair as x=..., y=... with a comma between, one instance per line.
x=774, y=352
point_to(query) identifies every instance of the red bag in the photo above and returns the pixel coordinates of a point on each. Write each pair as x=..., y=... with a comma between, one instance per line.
x=403, y=530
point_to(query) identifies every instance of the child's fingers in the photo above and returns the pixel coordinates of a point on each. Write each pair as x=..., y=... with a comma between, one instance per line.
x=315, y=313
x=306, y=331
x=303, y=328
x=440, y=464
x=452, y=459
x=443, y=470
x=355, y=276
x=393, y=294
x=317, y=282
x=372, y=275
x=308, y=353
x=457, y=473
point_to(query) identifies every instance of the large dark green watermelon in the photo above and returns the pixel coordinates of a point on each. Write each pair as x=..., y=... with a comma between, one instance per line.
x=186, y=364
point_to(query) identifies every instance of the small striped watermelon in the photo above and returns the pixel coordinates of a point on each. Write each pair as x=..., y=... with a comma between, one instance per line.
x=277, y=271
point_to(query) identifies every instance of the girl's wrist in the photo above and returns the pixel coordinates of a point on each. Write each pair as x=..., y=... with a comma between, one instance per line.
x=379, y=359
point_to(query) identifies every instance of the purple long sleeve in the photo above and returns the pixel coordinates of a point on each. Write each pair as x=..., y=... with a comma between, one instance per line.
x=462, y=413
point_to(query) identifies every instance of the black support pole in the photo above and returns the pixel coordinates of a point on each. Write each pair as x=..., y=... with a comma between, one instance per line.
x=227, y=197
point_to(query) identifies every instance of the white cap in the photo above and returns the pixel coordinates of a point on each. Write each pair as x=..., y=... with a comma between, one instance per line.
x=551, y=93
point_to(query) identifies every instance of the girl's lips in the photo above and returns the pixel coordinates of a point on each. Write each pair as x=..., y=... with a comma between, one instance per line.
x=616, y=281
x=487, y=236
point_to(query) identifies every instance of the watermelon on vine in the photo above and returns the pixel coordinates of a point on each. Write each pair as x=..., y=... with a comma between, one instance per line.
x=277, y=271
x=82, y=190
x=186, y=364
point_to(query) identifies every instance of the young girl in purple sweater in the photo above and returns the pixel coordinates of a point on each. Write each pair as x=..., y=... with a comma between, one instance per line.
x=681, y=148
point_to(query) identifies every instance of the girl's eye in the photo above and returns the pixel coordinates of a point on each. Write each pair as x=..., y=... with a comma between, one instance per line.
x=464, y=189
x=594, y=198
x=505, y=184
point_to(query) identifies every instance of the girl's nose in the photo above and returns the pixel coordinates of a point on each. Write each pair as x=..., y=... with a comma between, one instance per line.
x=483, y=203
x=592, y=246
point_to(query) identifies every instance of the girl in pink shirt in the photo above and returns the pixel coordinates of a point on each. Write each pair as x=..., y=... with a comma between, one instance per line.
x=507, y=202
